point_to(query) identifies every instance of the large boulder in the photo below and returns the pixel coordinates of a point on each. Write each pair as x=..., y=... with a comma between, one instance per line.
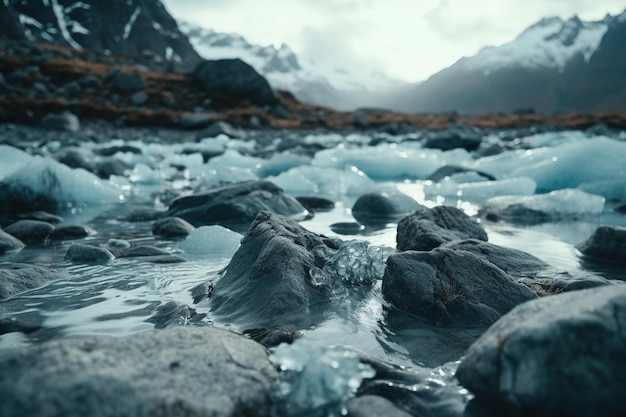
x=9, y=243
x=172, y=372
x=450, y=287
x=427, y=229
x=30, y=230
x=606, y=242
x=17, y=278
x=561, y=355
x=268, y=281
x=378, y=208
x=235, y=79
x=235, y=206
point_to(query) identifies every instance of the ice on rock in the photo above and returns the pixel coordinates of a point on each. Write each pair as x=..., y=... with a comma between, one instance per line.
x=563, y=166
x=567, y=202
x=214, y=241
x=481, y=191
x=315, y=380
x=356, y=264
x=329, y=182
x=391, y=161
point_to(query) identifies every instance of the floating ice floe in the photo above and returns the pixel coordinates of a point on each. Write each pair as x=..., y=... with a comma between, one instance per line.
x=214, y=241
x=544, y=207
x=330, y=182
x=480, y=191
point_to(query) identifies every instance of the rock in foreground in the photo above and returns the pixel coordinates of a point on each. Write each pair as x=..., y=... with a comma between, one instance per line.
x=17, y=278
x=558, y=355
x=607, y=242
x=173, y=372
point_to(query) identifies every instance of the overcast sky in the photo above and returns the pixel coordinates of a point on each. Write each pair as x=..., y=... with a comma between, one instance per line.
x=406, y=39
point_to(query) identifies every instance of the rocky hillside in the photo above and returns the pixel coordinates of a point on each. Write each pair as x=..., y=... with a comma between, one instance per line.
x=129, y=27
x=553, y=66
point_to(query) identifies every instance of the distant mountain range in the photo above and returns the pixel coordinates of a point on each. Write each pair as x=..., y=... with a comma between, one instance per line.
x=554, y=65
x=284, y=70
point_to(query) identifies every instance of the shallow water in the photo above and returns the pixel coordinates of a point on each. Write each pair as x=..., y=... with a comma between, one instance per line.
x=121, y=297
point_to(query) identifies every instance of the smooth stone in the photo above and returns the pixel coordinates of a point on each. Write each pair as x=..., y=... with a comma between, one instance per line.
x=170, y=314
x=42, y=216
x=141, y=251
x=75, y=231
x=117, y=244
x=30, y=230
x=467, y=138
x=111, y=166
x=268, y=281
x=378, y=208
x=449, y=170
x=172, y=227
x=139, y=98
x=79, y=253
x=130, y=83
x=221, y=128
x=9, y=243
x=347, y=228
x=558, y=355
x=61, y=121
x=606, y=242
x=272, y=337
x=163, y=259
x=180, y=371
x=316, y=203
x=449, y=287
x=195, y=121
x=429, y=228
x=235, y=206
x=18, y=278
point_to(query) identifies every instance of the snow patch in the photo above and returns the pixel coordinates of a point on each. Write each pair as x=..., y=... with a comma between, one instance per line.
x=130, y=23
x=27, y=20
x=59, y=13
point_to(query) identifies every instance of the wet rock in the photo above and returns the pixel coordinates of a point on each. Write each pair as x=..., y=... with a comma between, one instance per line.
x=79, y=253
x=112, y=150
x=144, y=215
x=117, y=244
x=271, y=337
x=194, y=121
x=429, y=228
x=17, y=278
x=139, y=98
x=73, y=231
x=235, y=206
x=449, y=287
x=111, y=166
x=171, y=228
x=236, y=80
x=621, y=209
x=27, y=322
x=76, y=159
x=314, y=204
x=606, y=242
x=527, y=269
x=373, y=405
x=171, y=372
x=221, y=128
x=460, y=136
x=30, y=230
x=139, y=251
x=9, y=243
x=347, y=228
x=171, y=313
x=130, y=83
x=385, y=206
x=42, y=216
x=449, y=170
x=61, y=121
x=163, y=259
x=559, y=355
x=268, y=281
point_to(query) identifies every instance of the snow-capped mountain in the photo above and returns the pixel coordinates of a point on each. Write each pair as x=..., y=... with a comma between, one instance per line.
x=554, y=65
x=127, y=27
x=284, y=70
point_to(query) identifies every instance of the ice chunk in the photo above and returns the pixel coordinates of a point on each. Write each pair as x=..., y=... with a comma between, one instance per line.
x=233, y=159
x=391, y=161
x=562, y=166
x=12, y=159
x=282, y=162
x=144, y=175
x=614, y=189
x=214, y=241
x=542, y=207
x=59, y=186
x=211, y=178
x=316, y=381
x=481, y=191
x=329, y=182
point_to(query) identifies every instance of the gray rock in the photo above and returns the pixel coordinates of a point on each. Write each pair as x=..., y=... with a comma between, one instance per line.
x=170, y=314
x=268, y=280
x=606, y=242
x=235, y=206
x=163, y=259
x=527, y=269
x=195, y=121
x=313, y=203
x=79, y=253
x=9, y=243
x=429, y=228
x=235, y=79
x=30, y=230
x=140, y=251
x=139, y=98
x=459, y=136
x=172, y=372
x=61, y=121
x=72, y=231
x=17, y=278
x=558, y=355
x=172, y=227
x=111, y=166
x=127, y=83
x=42, y=216
x=373, y=405
x=378, y=208
x=450, y=287
x=221, y=128
x=449, y=170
